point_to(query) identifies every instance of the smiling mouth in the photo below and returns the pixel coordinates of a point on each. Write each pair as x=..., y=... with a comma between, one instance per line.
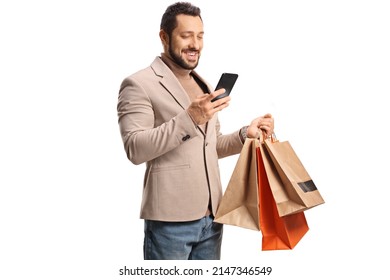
x=191, y=55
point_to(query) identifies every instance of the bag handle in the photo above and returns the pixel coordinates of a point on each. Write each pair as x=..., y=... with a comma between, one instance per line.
x=272, y=137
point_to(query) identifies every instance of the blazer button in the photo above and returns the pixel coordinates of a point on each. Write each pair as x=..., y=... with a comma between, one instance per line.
x=185, y=138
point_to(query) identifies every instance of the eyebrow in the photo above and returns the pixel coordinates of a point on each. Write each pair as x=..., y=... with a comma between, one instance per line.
x=191, y=32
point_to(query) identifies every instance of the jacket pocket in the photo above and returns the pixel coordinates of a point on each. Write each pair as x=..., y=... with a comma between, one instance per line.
x=170, y=168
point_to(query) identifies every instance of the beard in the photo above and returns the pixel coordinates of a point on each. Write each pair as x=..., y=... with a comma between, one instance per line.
x=180, y=61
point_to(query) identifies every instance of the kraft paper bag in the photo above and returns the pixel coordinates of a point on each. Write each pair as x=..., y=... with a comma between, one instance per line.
x=279, y=233
x=239, y=205
x=292, y=187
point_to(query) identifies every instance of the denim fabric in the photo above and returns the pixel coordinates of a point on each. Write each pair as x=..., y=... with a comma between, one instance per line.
x=195, y=240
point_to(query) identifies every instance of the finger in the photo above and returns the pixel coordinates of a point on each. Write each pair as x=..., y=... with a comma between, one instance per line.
x=203, y=97
x=266, y=127
x=220, y=107
x=266, y=121
x=216, y=93
x=220, y=102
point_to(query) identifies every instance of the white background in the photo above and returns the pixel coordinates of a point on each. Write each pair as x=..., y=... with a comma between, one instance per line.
x=70, y=199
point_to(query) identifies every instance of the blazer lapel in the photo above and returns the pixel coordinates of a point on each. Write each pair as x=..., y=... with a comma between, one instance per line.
x=170, y=83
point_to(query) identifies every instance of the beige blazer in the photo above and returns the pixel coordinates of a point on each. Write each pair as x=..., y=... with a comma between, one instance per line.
x=182, y=173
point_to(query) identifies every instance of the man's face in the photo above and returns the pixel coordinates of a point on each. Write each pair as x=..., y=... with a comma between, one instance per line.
x=186, y=41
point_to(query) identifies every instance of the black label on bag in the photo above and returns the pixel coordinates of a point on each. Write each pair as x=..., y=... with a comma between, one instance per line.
x=308, y=186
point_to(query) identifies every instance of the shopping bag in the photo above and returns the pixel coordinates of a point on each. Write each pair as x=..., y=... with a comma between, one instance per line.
x=248, y=203
x=279, y=233
x=297, y=191
x=239, y=205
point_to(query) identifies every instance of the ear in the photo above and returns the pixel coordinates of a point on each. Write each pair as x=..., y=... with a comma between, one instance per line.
x=164, y=38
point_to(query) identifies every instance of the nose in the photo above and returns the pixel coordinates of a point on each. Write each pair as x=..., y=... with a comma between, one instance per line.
x=195, y=43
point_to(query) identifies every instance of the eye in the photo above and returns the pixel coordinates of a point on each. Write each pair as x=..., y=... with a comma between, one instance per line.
x=186, y=35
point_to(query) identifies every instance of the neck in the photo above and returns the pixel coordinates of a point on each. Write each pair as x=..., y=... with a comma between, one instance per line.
x=180, y=73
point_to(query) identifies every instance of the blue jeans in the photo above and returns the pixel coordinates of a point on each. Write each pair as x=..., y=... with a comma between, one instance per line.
x=195, y=240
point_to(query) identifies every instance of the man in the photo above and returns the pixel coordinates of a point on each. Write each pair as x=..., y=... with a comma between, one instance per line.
x=167, y=120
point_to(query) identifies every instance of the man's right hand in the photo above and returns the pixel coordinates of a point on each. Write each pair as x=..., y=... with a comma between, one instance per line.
x=202, y=109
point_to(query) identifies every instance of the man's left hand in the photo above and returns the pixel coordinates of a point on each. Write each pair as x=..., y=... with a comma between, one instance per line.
x=261, y=124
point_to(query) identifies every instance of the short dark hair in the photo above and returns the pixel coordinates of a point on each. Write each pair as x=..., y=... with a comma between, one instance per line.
x=169, y=22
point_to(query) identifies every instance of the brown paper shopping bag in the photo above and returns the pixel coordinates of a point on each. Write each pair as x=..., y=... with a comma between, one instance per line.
x=279, y=233
x=239, y=205
x=292, y=187
x=248, y=203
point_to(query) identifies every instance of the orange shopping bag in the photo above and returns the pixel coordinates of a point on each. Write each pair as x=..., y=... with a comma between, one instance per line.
x=279, y=233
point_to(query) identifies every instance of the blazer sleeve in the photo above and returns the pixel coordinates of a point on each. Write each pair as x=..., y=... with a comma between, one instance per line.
x=143, y=141
x=227, y=144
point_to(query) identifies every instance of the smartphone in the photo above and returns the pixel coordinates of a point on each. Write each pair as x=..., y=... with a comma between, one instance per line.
x=227, y=82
